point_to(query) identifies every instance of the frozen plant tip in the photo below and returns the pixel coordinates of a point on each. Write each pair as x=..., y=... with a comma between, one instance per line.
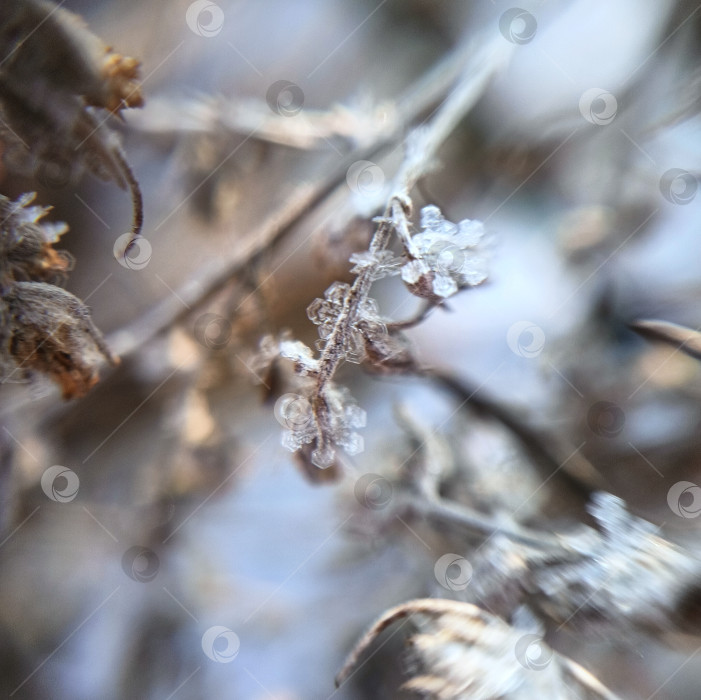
x=437, y=263
x=320, y=414
x=336, y=418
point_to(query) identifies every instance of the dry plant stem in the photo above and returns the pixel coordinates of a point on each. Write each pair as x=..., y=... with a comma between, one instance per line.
x=483, y=60
x=137, y=201
x=421, y=150
x=332, y=354
x=401, y=223
x=212, y=279
x=120, y=170
x=442, y=511
x=568, y=467
x=206, y=115
x=561, y=464
x=485, y=63
x=588, y=680
x=421, y=498
x=421, y=315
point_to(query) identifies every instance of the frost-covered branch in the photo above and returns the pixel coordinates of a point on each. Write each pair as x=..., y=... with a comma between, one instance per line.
x=436, y=263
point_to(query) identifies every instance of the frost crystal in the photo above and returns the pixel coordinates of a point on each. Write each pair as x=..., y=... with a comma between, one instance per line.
x=336, y=302
x=332, y=422
x=301, y=355
x=385, y=264
x=443, y=258
x=625, y=575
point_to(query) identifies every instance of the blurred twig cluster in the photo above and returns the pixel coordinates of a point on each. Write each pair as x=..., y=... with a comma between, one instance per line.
x=512, y=493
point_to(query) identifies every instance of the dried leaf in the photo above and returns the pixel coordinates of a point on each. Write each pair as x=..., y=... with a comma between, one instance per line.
x=464, y=652
x=41, y=43
x=53, y=71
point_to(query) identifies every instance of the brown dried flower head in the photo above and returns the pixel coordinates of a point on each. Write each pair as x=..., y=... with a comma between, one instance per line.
x=49, y=330
x=44, y=328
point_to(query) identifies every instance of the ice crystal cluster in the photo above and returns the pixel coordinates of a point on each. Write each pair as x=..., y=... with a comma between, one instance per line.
x=443, y=257
x=628, y=573
x=336, y=302
x=381, y=263
x=436, y=263
x=325, y=419
x=342, y=416
x=621, y=576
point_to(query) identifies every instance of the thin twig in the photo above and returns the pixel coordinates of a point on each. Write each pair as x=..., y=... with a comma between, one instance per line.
x=569, y=467
x=444, y=511
x=421, y=315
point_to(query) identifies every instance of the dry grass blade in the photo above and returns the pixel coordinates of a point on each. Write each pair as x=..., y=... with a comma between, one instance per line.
x=685, y=339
